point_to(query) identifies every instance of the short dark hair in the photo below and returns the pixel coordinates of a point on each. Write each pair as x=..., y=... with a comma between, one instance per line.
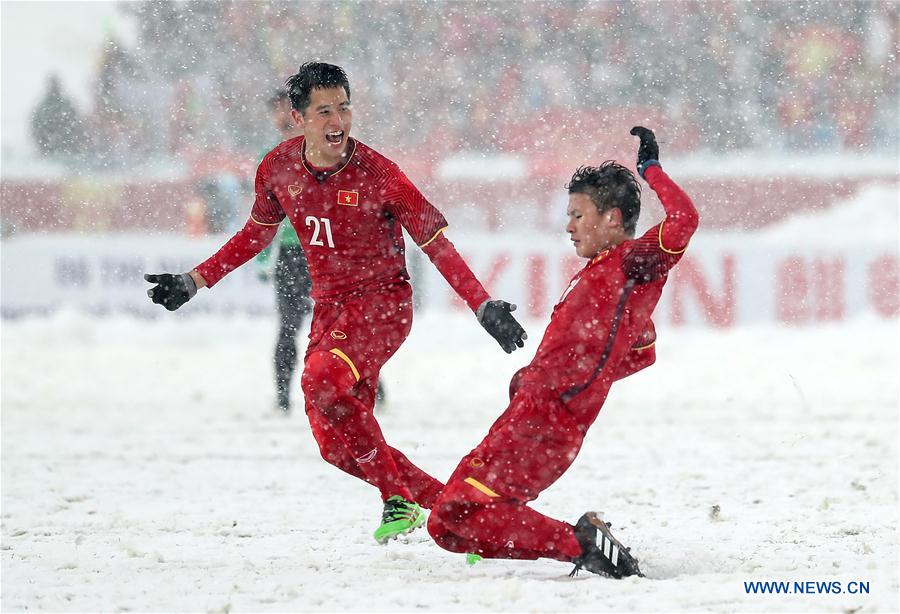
x=610, y=186
x=314, y=76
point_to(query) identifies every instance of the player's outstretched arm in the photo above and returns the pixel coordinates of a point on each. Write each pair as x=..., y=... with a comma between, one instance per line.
x=426, y=226
x=682, y=218
x=174, y=290
x=244, y=245
x=494, y=316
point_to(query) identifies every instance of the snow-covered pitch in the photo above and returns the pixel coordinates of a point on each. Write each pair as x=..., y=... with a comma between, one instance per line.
x=144, y=468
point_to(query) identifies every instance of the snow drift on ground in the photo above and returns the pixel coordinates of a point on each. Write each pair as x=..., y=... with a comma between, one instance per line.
x=143, y=468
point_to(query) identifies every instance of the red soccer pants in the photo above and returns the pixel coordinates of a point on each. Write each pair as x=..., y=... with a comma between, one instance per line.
x=348, y=344
x=482, y=509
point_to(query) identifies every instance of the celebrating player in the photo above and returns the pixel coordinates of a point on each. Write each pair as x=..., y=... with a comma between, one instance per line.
x=290, y=274
x=600, y=331
x=348, y=203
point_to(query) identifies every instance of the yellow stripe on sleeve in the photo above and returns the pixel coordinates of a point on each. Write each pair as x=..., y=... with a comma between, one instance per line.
x=644, y=347
x=440, y=230
x=479, y=486
x=263, y=223
x=663, y=247
x=346, y=359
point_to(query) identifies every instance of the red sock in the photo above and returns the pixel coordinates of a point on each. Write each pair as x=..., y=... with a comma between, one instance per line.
x=499, y=529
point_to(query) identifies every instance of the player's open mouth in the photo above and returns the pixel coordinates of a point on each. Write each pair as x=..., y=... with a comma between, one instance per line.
x=334, y=138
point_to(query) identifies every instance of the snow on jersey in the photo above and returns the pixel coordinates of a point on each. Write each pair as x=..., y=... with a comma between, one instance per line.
x=605, y=311
x=348, y=219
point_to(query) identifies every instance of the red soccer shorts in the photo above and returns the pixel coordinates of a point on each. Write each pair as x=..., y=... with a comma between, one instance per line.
x=363, y=331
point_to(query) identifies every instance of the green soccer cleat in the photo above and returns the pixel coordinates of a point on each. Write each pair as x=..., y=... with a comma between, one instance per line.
x=400, y=517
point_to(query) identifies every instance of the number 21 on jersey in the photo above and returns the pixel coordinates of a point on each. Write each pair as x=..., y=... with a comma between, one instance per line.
x=316, y=224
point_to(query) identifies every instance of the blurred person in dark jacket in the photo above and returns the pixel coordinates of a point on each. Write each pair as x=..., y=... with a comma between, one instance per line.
x=289, y=271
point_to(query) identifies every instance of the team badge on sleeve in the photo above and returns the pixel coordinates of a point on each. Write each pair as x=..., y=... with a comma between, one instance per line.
x=349, y=198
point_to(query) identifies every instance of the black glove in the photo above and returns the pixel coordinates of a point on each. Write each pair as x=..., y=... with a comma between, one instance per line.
x=648, y=152
x=171, y=291
x=496, y=319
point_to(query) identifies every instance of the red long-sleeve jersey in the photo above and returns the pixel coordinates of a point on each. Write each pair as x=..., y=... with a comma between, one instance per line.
x=600, y=329
x=348, y=220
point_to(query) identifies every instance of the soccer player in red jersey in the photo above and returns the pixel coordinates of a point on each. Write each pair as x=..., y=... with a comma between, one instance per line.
x=348, y=204
x=600, y=331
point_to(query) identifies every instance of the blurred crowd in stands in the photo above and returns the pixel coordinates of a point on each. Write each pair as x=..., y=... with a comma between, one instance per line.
x=558, y=83
x=446, y=76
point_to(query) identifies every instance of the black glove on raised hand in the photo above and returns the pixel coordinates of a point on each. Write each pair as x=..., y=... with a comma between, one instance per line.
x=496, y=319
x=648, y=152
x=171, y=291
